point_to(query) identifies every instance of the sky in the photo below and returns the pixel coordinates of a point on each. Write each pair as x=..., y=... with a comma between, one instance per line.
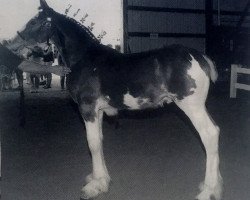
x=106, y=14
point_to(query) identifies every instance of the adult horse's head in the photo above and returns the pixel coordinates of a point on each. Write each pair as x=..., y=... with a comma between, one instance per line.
x=40, y=27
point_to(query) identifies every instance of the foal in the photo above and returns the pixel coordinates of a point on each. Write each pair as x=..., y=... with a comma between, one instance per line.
x=103, y=80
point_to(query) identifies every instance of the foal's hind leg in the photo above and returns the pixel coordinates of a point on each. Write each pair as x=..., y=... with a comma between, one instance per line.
x=98, y=180
x=209, y=133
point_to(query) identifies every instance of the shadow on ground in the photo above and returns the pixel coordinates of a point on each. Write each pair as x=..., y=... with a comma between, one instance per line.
x=151, y=155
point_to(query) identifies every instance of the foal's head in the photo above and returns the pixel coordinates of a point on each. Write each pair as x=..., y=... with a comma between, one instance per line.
x=69, y=35
x=40, y=28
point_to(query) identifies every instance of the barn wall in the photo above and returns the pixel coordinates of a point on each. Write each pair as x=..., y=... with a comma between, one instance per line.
x=168, y=3
x=152, y=24
x=165, y=22
x=230, y=5
x=233, y=8
x=138, y=44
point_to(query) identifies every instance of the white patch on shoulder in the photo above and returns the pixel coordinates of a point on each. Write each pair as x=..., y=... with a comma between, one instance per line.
x=132, y=102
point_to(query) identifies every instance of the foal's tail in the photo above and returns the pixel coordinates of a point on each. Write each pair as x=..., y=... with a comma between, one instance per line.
x=213, y=71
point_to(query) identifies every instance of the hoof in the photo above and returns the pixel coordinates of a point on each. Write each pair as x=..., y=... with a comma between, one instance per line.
x=89, y=178
x=95, y=187
x=210, y=193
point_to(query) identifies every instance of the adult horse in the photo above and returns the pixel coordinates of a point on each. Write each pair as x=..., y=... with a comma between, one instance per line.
x=12, y=54
x=17, y=63
x=11, y=61
x=103, y=80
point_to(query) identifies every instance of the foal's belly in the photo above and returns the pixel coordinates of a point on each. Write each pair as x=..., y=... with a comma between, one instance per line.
x=143, y=102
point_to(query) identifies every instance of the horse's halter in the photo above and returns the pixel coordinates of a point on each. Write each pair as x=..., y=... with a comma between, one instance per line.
x=45, y=24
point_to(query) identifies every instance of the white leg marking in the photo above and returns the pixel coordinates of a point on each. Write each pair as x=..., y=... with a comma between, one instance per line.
x=98, y=181
x=209, y=134
x=194, y=108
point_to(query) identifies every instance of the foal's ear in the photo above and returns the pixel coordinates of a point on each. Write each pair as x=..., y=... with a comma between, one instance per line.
x=44, y=4
x=45, y=8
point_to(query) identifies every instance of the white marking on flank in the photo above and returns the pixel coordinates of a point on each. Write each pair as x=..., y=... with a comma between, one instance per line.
x=134, y=103
x=130, y=101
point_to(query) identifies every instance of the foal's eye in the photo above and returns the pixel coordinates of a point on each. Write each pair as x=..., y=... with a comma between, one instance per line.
x=47, y=24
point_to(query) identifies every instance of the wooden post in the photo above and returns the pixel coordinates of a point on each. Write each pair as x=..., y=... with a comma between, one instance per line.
x=233, y=81
x=235, y=70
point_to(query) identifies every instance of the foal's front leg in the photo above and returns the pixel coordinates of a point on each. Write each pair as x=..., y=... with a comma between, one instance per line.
x=98, y=180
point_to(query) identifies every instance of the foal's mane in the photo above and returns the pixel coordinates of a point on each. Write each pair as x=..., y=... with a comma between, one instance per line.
x=77, y=26
x=83, y=32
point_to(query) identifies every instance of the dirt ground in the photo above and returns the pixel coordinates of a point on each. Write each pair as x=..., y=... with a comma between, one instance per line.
x=152, y=155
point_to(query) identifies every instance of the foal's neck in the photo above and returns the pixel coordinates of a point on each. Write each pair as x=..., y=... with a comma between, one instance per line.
x=74, y=48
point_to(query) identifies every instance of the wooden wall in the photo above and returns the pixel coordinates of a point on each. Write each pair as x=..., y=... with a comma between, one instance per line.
x=150, y=24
